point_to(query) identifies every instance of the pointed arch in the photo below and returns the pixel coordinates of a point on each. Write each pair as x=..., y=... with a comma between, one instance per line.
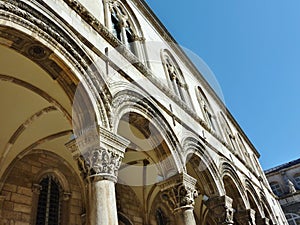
x=206, y=109
x=175, y=77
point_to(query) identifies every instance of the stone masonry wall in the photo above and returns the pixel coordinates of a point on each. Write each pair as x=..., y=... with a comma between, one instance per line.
x=17, y=207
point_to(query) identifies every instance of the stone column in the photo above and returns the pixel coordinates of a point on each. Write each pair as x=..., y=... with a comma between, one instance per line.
x=99, y=157
x=220, y=209
x=178, y=192
x=246, y=217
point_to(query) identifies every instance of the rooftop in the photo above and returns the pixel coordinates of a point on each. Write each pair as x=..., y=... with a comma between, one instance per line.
x=283, y=166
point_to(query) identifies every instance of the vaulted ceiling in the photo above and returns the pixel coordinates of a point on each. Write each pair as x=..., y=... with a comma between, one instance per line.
x=35, y=110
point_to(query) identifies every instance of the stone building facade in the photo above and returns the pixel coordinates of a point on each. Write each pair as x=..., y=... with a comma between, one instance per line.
x=105, y=121
x=285, y=183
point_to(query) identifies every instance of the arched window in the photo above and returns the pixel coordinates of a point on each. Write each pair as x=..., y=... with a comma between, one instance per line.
x=124, y=27
x=206, y=109
x=175, y=77
x=297, y=180
x=49, y=203
x=276, y=188
x=160, y=217
x=229, y=137
x=292, y=218
x=244, y=153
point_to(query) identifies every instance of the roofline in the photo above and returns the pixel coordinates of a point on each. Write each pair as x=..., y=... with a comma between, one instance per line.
x=169, y=38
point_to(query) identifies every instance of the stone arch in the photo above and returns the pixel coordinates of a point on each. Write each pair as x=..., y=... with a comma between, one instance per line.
x=129, y=12
x=57, y=52
x=175, y=77
x=129, y=102
x=193, y=149
x=126, y=29
x=158, y=204
x=267, y=209
x=234, y=188
x=253, y=199
x=201, y=166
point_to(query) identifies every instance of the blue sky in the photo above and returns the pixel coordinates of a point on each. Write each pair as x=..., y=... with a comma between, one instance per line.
x=253, y=48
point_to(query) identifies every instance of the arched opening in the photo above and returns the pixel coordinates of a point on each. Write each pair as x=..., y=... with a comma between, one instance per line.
x=147, y=160
x=254, y=206
x=202, y=168
x=37, y=86
x=233, y=192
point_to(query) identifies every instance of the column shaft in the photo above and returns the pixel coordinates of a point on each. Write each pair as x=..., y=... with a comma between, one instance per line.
x=104, y=210
x=185, y=216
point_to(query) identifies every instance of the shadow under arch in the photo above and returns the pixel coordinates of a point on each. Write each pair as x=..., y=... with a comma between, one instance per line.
x=201, y=166
x=135, y=112
x=57, y=51
x=234, y=188
x=253, y=199
x=267, y=209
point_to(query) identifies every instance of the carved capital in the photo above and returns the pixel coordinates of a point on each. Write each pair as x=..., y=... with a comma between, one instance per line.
x=98, y=154
x=246, y=217
x=179, y=192
x=221, y=209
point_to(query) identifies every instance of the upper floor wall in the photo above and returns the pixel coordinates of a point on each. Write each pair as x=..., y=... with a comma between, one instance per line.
x=149, y=51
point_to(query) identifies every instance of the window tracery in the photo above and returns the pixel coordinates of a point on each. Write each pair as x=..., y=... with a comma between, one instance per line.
x=229, y=137
x=175, y=77
x=123, y=27
x=206, y=109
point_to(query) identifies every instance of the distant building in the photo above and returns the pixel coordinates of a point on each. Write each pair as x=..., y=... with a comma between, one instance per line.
x=285, y=183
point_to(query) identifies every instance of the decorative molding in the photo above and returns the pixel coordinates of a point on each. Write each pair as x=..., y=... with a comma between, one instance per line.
x=179, y=192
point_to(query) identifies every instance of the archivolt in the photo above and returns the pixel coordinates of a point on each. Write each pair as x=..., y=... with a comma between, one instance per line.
x=128, y=101
x=206, y=168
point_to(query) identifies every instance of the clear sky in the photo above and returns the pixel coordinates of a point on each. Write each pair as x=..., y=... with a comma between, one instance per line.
x=253, y=48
